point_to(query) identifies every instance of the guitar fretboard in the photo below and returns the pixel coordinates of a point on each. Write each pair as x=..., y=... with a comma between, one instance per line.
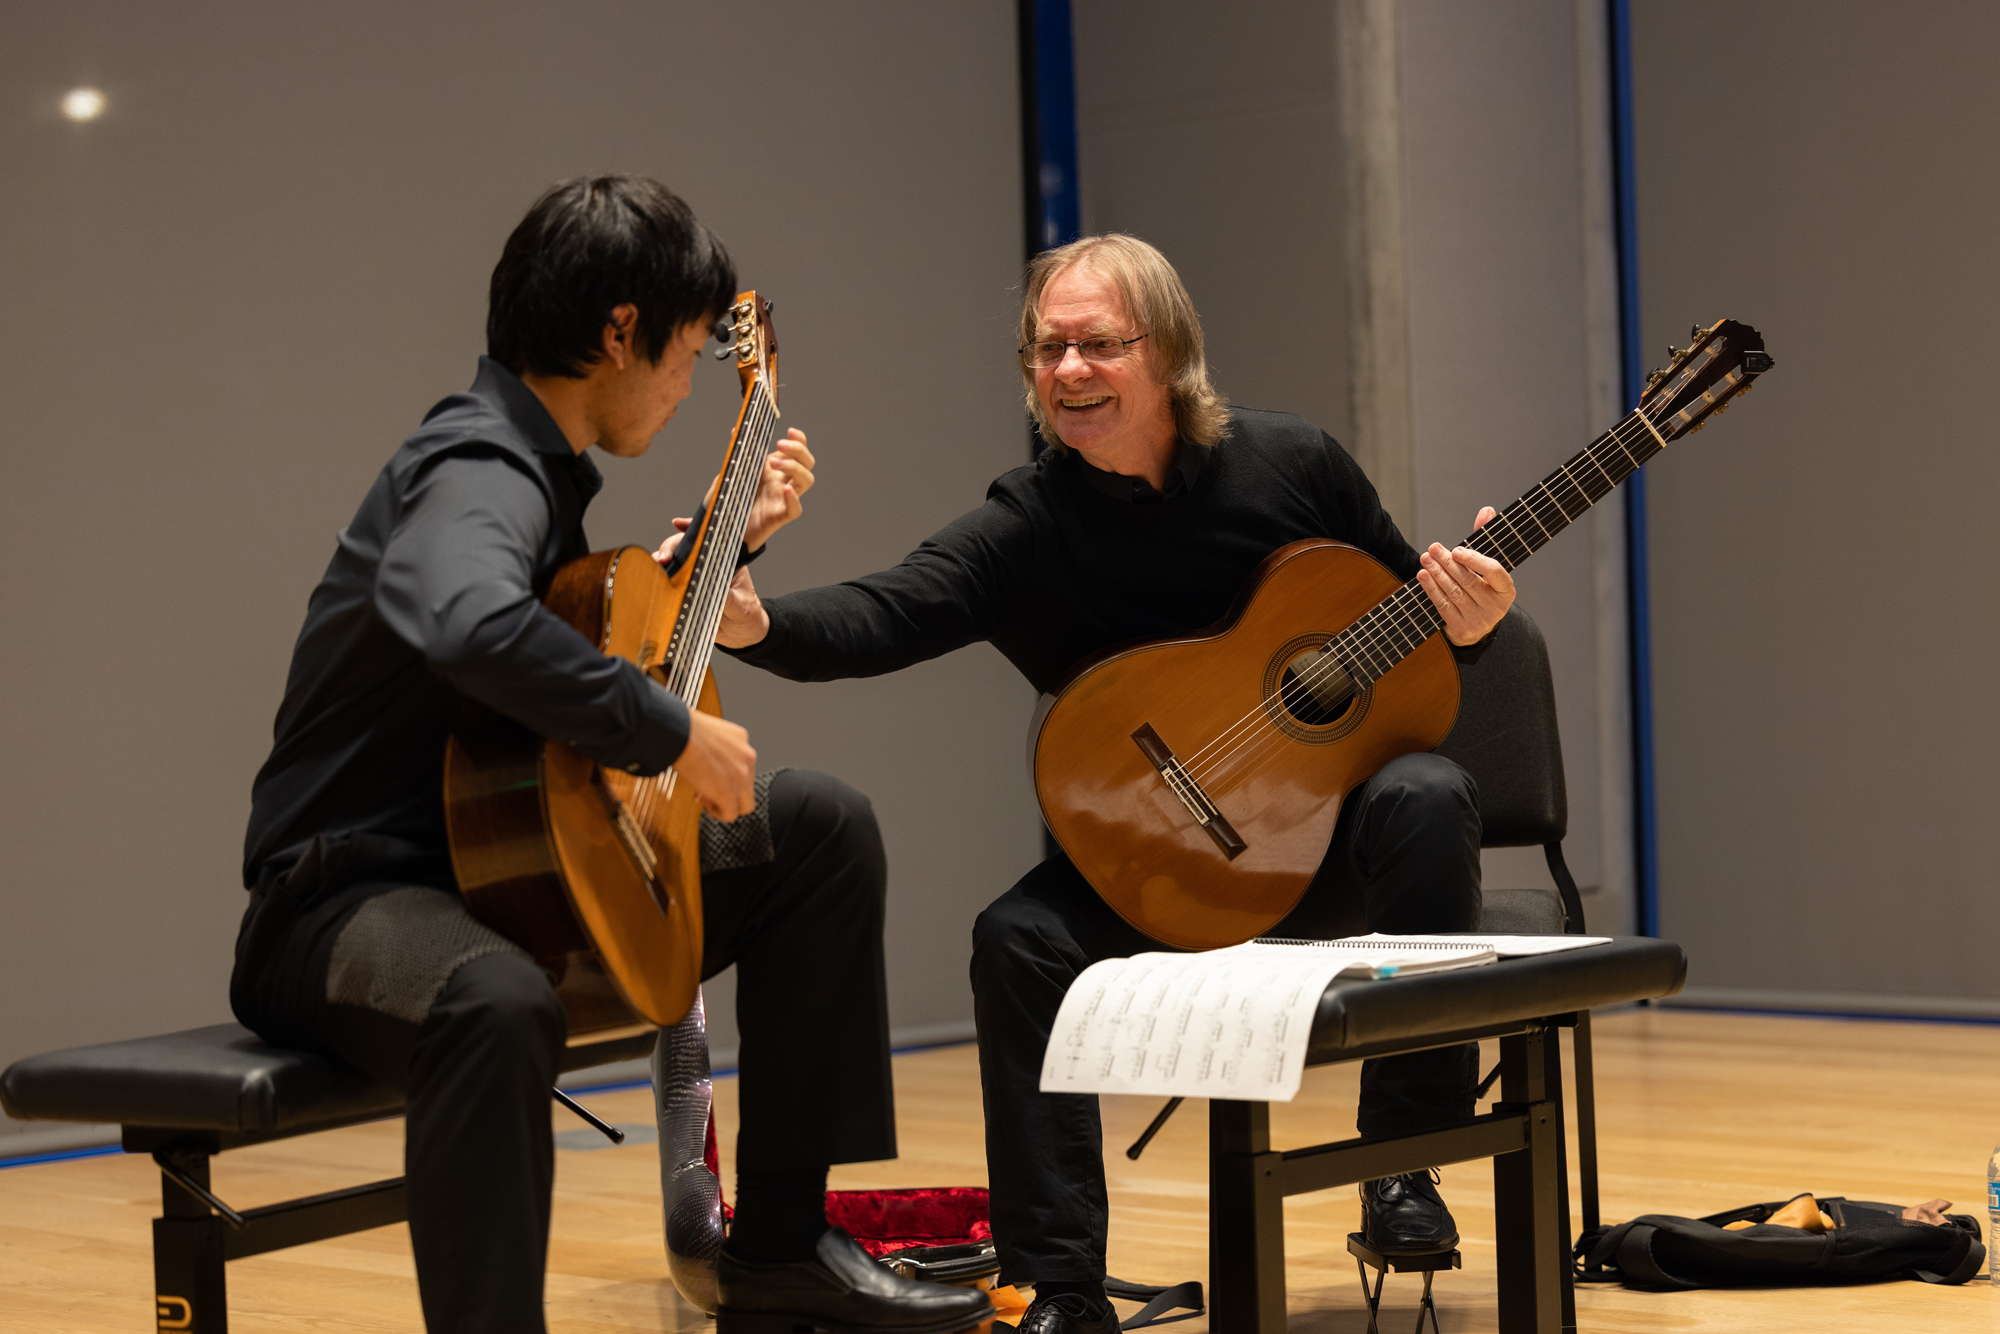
x=692, y=643
x=1406, y=618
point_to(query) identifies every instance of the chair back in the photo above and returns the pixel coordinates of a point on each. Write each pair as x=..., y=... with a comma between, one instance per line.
x=1506, y=737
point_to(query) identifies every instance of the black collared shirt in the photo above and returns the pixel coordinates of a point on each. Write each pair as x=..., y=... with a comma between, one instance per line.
x=1189, y=463
x=433, y=597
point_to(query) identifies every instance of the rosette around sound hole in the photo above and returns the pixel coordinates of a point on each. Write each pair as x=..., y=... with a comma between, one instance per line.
x=1309, y=695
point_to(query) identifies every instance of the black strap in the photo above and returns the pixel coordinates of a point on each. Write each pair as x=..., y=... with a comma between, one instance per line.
x=1565, y=886
x=1158, y=1301
x=1636, y=1261
x=1960, y=1263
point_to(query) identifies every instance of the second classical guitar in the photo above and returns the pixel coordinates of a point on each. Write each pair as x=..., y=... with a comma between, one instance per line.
x=1195, y=782
x=597, y=873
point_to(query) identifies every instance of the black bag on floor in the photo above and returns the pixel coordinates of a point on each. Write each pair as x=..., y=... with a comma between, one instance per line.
x=1869, y=1241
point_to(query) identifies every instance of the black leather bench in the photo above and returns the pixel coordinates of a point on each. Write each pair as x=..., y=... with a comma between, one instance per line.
x=1522, y=1002
x=183, y=1097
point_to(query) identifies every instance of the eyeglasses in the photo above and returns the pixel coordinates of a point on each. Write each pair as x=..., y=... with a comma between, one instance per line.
x=1041, y=356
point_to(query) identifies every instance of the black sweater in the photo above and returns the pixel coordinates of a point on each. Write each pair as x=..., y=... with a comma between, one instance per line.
x=1052, y=569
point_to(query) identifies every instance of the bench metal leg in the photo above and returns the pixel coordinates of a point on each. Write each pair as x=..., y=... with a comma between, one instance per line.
x=1246, y=1220
x=1586, y=1120
x=1531, y=1193
x=191, y=1293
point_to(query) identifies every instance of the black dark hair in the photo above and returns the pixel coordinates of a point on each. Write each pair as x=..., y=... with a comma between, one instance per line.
x=588, y=246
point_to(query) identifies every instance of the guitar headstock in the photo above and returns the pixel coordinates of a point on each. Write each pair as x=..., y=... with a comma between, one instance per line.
x=749, y=333
x=1703, y=377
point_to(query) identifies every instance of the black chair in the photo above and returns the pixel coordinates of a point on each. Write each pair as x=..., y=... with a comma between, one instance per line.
x=1506, y=738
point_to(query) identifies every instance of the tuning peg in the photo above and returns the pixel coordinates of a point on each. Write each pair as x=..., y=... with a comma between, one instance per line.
x=1694, y=333
x=770, y=307
x=1672, y=352
x=725, y=352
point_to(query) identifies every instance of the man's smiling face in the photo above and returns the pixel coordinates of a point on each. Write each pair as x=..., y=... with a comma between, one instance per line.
x=1114, y=413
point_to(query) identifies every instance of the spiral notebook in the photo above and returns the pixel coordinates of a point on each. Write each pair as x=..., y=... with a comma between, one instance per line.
x=1396, y=956
x=1429, y=953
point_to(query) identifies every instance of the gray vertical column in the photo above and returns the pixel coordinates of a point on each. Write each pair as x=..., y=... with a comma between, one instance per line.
x=1615, y=909
x=1376, y=236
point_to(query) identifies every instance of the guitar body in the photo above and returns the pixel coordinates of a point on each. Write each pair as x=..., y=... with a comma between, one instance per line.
x=1277, y=777
x=536, y=842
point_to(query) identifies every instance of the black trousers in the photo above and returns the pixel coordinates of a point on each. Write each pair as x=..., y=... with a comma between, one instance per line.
x=804, y=931
x=1404, y=858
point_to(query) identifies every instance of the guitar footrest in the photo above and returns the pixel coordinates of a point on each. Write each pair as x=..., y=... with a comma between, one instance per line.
x=1367, y=1257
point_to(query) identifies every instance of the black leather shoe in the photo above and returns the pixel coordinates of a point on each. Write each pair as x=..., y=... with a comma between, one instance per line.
x=1066, y=1313
x=843, y=1290
x=1405, y=1215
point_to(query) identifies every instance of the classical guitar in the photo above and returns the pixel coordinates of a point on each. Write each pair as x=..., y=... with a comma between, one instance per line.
x=595, y=872
x=1195, y=781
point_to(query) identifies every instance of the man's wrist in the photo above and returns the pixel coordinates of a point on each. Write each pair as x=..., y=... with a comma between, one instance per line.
x=732, y=635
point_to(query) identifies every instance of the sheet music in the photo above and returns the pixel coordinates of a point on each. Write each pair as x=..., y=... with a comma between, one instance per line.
x=1229, y=1023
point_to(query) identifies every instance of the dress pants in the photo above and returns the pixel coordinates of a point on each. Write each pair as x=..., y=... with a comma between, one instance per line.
x=804, y=930
x=1404, y=858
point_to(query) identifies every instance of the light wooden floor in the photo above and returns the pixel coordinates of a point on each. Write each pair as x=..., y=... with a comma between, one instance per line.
x=1700, y=1112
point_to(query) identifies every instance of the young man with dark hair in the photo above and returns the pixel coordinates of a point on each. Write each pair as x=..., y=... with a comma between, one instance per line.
x=1153, y=505
x=356, y=941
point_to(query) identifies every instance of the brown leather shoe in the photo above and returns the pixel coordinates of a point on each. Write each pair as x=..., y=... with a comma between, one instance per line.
x=841, y=1290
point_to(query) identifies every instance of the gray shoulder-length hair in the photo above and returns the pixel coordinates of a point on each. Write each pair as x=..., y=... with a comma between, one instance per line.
x=1159, y=304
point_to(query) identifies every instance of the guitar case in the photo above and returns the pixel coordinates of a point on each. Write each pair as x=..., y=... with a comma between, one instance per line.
x=1869, y=1241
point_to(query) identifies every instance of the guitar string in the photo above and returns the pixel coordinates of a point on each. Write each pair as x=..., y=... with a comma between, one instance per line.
x=715, y=596
x=1409, y=611
x=732, y=503
x=1412, y=620
x=701, y=614
x=696, y=624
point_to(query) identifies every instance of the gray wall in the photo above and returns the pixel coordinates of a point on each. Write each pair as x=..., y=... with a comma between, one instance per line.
x=1215, y=132
x=227, y=301
x=1823, y=621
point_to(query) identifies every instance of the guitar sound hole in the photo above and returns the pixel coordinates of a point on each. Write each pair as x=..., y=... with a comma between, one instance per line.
x=1316, y=707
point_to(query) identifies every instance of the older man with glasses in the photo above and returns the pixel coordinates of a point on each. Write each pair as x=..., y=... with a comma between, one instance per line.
x=1149, y=511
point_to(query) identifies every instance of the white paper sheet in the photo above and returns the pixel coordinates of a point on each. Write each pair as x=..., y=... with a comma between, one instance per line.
x=1230, y=1023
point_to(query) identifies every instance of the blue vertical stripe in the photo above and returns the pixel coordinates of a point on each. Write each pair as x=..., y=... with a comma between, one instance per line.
x=1645, y=817
x=1048, y=122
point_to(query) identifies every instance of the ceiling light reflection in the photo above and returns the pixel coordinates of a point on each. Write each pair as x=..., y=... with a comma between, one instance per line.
x=83, y=104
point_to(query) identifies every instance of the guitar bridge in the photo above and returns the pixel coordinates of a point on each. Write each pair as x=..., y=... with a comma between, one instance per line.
x=1190, y=792
x=633, y=840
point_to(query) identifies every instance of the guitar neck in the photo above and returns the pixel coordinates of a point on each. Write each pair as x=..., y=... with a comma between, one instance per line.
x=717, y=540
x=1407, y=617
